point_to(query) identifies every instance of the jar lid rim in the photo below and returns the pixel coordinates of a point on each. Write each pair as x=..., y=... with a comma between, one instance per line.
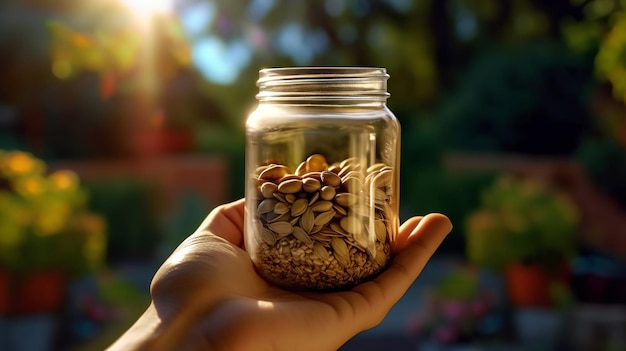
x=321, y=72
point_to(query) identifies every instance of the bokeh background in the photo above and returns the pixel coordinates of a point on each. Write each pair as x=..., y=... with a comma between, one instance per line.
x=122, y=126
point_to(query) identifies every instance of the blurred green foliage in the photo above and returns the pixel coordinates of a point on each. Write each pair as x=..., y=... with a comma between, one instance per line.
x=521, y=220
x=602, y=29
x=45, y=220
x=460, y=284
x=127, y=204
x=426, y=187
x=529, y=99
x=605, y=162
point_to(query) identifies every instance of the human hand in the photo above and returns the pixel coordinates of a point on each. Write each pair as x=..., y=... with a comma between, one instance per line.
x=208, y=296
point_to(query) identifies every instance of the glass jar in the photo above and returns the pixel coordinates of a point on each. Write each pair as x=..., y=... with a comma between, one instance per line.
x=322, y=161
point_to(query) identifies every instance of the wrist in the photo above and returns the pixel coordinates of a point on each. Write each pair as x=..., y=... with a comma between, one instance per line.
x=158, y=331
x=142, y=333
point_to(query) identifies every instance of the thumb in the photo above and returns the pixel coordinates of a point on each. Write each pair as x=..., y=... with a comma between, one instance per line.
x=386, y=289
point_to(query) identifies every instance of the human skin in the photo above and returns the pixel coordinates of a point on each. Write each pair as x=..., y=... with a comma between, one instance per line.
x=208, y=296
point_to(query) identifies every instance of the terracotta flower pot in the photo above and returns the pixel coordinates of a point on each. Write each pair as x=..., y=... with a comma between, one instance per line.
x=38, y=292
x=528, y=285
x=4, y=292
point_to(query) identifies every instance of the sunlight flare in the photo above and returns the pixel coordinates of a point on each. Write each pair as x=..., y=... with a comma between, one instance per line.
x=146, y=8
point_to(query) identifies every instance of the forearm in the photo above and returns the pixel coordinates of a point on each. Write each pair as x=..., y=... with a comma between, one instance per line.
x=153, y=332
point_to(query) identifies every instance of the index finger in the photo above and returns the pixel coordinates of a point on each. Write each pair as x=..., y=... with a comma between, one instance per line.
x=226, y=221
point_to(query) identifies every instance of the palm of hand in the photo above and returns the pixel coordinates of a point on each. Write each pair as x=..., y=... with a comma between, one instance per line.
x=210, y=289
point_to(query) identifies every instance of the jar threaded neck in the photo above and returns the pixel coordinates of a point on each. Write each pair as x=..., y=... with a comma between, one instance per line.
x=323, y=85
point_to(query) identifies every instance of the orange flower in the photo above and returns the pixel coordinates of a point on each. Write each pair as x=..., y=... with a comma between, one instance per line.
x=17, y=163
x=31, y=186
x=64, y=180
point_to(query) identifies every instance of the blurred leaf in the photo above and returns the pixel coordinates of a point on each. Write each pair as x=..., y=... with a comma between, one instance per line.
x=599, y=8
x=611, y=58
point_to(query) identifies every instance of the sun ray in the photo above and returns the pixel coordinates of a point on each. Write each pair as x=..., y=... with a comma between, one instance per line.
x=145, y=9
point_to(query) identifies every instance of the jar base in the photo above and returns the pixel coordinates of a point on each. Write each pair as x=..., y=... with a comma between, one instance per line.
x=308, y=272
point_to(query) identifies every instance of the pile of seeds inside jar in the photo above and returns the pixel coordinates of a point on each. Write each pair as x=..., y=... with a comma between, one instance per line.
x=320, y=226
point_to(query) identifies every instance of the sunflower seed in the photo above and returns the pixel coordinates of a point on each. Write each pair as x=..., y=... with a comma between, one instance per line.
x=316, y=229
x=383, y=178
x=279, y=196
x=291, y=198
x=285, y=217
x=348, y=162
x=268, y=236
x=301, y=235
x=352, y=184
x=302, y=169
x=346, y=199
x=314, y=175
x=327, y=192
x=260, y=170
x=281, y=228
x=330, y=178
x=298, y=207
x=361, y=240
x=274, y=172
x=311, y=185
x=290, y=186
x=336, y=227
x=281, y=208
x=339, y=211
x=307, y=220
x=322, y=206
x=287, y=177
x=381, y=230
x=335, y=169
x=321, y=238
x=375, y=167
x=352, y=168
x=316, y=163
x=268, y=189
x=341, y=251
x=351, y=224
x=320, y=251
x=324, y=217
x=328, y=232
x=266, y=206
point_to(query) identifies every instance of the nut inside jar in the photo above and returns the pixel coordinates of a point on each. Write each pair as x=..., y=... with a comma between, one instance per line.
x=323, y=226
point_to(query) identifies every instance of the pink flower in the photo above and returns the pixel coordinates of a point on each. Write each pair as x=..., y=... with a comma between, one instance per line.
x=453, y=310
x=446, y=334
x=479, y=308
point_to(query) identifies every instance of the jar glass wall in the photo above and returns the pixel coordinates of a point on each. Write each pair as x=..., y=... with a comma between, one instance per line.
x=322, y=160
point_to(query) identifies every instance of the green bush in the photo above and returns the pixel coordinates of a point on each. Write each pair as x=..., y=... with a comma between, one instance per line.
x=521, y=220
x=427, y=187
x=529, y=99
